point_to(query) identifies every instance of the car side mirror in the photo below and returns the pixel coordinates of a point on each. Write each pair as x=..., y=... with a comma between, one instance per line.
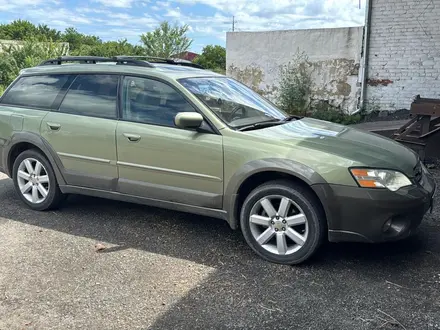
x=188, y=120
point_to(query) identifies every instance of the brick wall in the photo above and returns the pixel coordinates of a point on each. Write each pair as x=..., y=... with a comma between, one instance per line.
x=404, y=52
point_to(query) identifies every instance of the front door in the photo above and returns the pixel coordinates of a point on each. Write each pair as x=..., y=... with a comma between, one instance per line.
x=158, y=160
x=82, y=132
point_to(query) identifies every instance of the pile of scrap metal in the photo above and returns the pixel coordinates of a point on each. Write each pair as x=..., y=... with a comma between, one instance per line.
x=425, y=124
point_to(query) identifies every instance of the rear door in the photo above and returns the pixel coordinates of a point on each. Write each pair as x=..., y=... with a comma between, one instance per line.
x=82, y=131
x=27, y=102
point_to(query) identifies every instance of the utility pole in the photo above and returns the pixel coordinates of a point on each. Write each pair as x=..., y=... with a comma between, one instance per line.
x=233, y=23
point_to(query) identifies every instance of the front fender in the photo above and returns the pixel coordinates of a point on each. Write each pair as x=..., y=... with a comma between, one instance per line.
x=285, y=166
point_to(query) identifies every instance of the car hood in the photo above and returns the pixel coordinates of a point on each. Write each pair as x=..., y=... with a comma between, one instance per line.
x=362, y=147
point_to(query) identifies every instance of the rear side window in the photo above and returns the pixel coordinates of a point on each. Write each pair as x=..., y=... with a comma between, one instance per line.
x=92, y=95
x=36, y=91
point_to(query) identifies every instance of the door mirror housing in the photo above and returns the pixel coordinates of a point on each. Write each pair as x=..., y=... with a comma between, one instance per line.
x=188, y=120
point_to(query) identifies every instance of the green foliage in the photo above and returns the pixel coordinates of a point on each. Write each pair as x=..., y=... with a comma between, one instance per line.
x=295, y=85
x=295, y=94
x=28, y=54
x=325, y=111
x=80, y=43
x=213, y=57
x=166, y=40
x=109, y=49
x=48, y=34
x=41, y=42
x=25, y=30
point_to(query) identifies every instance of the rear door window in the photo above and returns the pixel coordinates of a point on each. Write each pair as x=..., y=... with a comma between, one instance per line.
x=37, y=91
x=92, y=95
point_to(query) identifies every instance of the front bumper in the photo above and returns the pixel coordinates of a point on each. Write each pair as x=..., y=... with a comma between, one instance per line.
x=360, y=214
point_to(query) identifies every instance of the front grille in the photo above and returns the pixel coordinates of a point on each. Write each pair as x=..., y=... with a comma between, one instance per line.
x=418, y=172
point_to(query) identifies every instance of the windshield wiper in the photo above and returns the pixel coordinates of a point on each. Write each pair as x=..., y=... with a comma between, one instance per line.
x=269, y=123
x=260, y=125
x=290, y=118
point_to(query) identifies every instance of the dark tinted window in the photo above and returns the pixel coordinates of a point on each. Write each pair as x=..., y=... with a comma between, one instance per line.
x=151, y=101
x=36, y=91
x=92, y=95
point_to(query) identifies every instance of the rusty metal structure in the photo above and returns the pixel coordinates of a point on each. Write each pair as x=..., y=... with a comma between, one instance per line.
x=424, y=124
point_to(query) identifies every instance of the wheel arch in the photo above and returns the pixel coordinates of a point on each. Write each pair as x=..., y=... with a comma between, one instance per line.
x=22, y=141
x=258, y=172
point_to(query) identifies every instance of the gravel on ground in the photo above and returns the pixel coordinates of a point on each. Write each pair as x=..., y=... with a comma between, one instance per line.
x=98, y=264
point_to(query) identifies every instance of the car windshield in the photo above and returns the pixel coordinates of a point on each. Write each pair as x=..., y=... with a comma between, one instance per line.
x=237, y=105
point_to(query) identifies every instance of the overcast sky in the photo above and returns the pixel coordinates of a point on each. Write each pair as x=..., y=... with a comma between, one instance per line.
x=209, y=20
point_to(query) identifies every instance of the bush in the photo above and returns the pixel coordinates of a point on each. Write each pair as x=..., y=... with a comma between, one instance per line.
x=295, y=85
x=213, y=57
x=336, y=116
x=295, y=94
x=16, y=57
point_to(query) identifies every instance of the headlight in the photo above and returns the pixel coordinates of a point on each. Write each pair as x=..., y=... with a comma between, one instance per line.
x=375, y=178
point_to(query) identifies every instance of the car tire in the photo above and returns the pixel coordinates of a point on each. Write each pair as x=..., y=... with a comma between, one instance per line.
x=276, y=233
x=39, y=191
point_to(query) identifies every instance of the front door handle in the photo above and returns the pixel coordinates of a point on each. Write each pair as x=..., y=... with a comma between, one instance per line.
x=54, y=126
x=132, y=137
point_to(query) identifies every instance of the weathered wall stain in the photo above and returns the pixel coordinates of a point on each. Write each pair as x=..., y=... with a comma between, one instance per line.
x=251, y=76
x=255, y=58
x=330, y=81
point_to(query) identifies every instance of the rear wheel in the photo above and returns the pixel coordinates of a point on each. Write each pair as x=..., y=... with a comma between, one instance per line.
x=35, y=181
x=283, y=223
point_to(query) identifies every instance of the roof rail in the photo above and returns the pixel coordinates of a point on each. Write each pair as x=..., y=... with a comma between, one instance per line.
x=121, y=60
x=155, y=59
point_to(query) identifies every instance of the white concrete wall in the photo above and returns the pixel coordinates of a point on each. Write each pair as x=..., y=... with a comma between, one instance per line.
x=404, y=52
x=5, y=44
x=255, y=59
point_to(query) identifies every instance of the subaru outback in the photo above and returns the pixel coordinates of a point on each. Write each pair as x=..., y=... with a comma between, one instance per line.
x=170, y=134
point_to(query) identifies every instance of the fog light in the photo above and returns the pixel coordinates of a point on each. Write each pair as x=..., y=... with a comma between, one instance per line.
x=387, y=225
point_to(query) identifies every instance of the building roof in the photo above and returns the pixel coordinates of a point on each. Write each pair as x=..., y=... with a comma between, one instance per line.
x=189, y=56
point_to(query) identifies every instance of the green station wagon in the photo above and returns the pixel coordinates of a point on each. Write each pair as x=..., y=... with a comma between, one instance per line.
x=169, y=134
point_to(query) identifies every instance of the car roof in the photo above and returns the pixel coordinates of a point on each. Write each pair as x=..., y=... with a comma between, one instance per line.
x=172, y=71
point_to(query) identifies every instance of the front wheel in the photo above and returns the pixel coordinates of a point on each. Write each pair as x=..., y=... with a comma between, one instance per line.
x=283, y=222
x=35, y=181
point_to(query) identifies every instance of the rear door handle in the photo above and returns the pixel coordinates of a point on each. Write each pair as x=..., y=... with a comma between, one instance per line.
x=54, y=126
x=132, y=137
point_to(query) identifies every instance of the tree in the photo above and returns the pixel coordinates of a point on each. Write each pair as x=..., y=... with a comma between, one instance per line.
x=166, y=40
x=25, y=30
x=28, y=54
x=18, y=30
x=78, y=42
x=213, y=57
x=113, y=48
x=48, y=34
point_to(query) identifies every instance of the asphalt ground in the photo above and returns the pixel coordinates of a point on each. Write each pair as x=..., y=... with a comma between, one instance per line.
x=167, y=270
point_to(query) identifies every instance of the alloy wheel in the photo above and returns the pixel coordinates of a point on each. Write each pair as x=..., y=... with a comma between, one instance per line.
x=278, y=225
x=33, y=180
